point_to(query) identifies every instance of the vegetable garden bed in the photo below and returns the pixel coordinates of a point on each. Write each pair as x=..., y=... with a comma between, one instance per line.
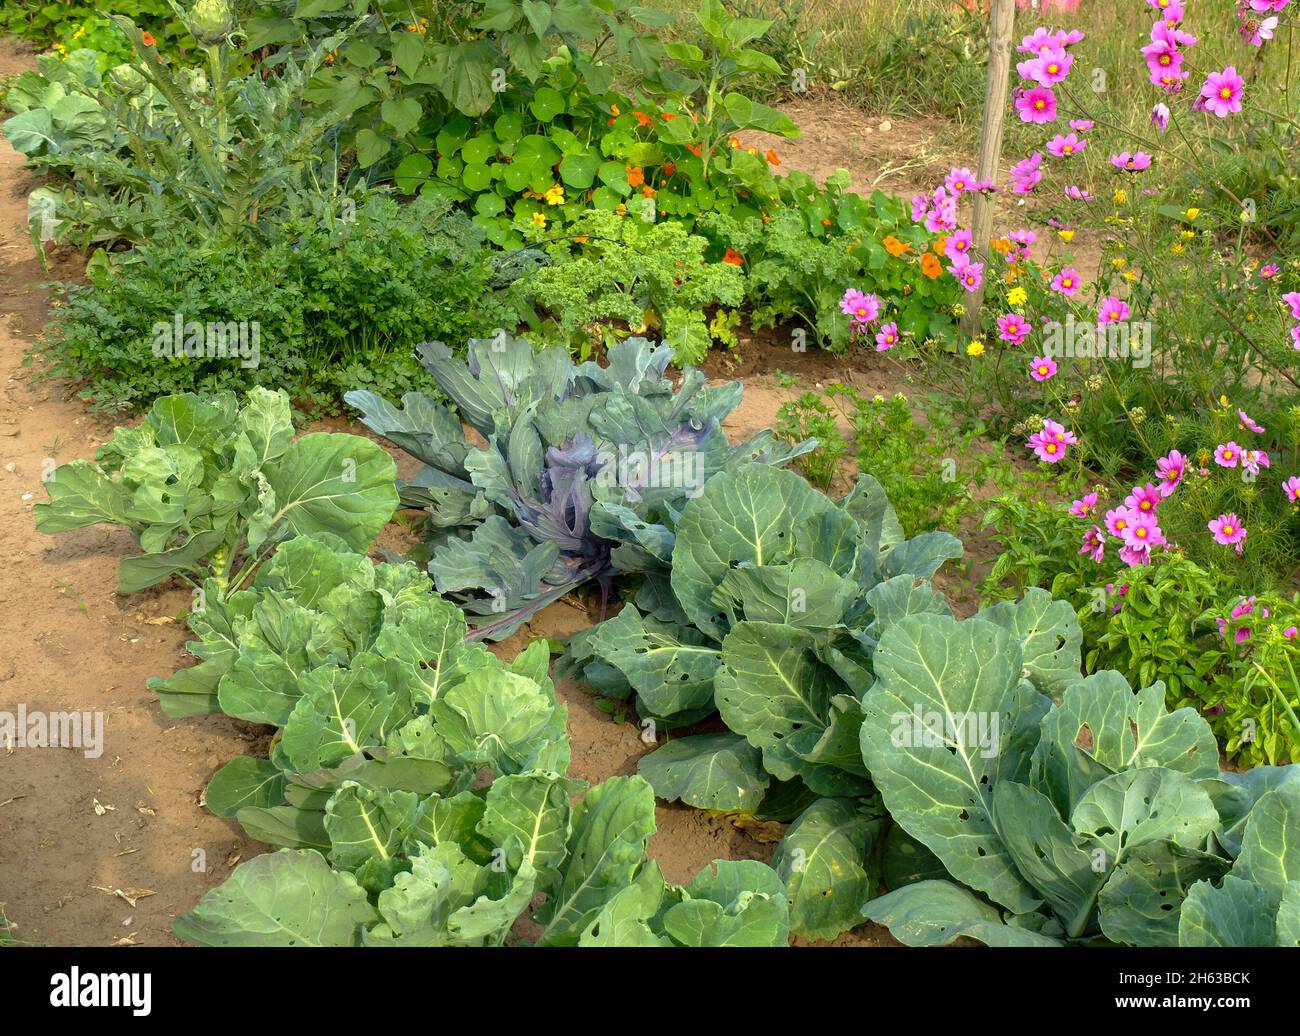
x=557, y=640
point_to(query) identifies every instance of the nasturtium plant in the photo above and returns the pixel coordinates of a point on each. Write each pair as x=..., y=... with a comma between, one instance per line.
x=208, y=487
x=583, y=474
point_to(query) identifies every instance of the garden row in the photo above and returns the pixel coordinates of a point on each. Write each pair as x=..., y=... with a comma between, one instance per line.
x=416, y=783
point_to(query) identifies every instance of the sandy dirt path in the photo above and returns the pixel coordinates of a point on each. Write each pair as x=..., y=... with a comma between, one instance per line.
x=74, y=830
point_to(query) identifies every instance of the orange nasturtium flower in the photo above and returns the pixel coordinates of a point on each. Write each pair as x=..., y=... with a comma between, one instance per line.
x=896, y=247
x=772, y=157
x=941, y=246
x=733, y=257
x=930, y=265
x=694, y=149
x=734, y=141
x=635, y=176
x=149, y=41
x=647, y=191
x=668, y=116
x=642, y=119
x=1001, y=244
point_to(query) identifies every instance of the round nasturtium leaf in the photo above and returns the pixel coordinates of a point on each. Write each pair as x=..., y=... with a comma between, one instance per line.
x=489, y=204
x=509, y=128
x=476, y=177
x=604, y=198
x=517, y=175
x=411, y=172
x=479, y=149
x=579, y=171
x=546, y=104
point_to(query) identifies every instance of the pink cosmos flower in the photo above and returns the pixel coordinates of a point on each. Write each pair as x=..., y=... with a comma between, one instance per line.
x=1264, y=6
x=1169, y=82
x=887, y=337
x=1077, y=193
x=959, y=243
x=1256, y=31
x=1292, y=488
x=1291, y=633
x=920, y=205
x=1143, y=500
x=1246, y=422
x=1112, y=310
x=1117, y=520
x=1042, y=367
x=1081, y=125
x=1227, y=454
x=1221, y=93
x=1292, y=299
x=1084, y=506
x=959, y=180
x=1228, y=531
x=1094, y=544
x=1048, y=68
x=862, y=308
x=1134, y=555
x=1170, y=469
x=970, y=275
x=1167, y=31
x=1253, y=460
x=1063, y=145
x=1295, y=337
x=1057, y=432
x=1269, y=271
x=1133, y=163
x=1163, y=55
x=1143, y=532
x=1013, y=328
x=1026, y=173
x=1046, y=449
x=1160, y=116
x=1037, y=104
x=1066, y=282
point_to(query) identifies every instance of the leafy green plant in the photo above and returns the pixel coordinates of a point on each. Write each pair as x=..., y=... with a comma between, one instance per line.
x=808, y=417
x=334, y=305
x=374, y=789
x=68, y=25
x=1102, y=817
x=614, y=273
x=195, y=148
x=208, y=488
x=775, y=602
x=584, y=470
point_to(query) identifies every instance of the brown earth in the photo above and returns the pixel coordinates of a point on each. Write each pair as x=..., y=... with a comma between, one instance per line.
x=82, y=838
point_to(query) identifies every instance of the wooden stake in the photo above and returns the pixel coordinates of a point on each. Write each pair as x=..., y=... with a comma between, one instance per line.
x=1001, y=22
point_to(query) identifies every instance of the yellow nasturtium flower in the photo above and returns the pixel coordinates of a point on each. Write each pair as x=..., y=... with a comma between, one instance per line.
x=976, y=348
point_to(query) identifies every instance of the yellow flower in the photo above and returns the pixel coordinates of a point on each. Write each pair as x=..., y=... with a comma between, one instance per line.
x=1176, y=248
x=539, y=219
x=1192, y=213
x=1017, y=296
x=81, y=31
x=1223, y=401
x=1187, y=235
x=621, y=210
x=976, y=348
x=1119, y=263
x=1130, y=275
x=554, y=195
x=1121, y=196
x=1065, y=235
